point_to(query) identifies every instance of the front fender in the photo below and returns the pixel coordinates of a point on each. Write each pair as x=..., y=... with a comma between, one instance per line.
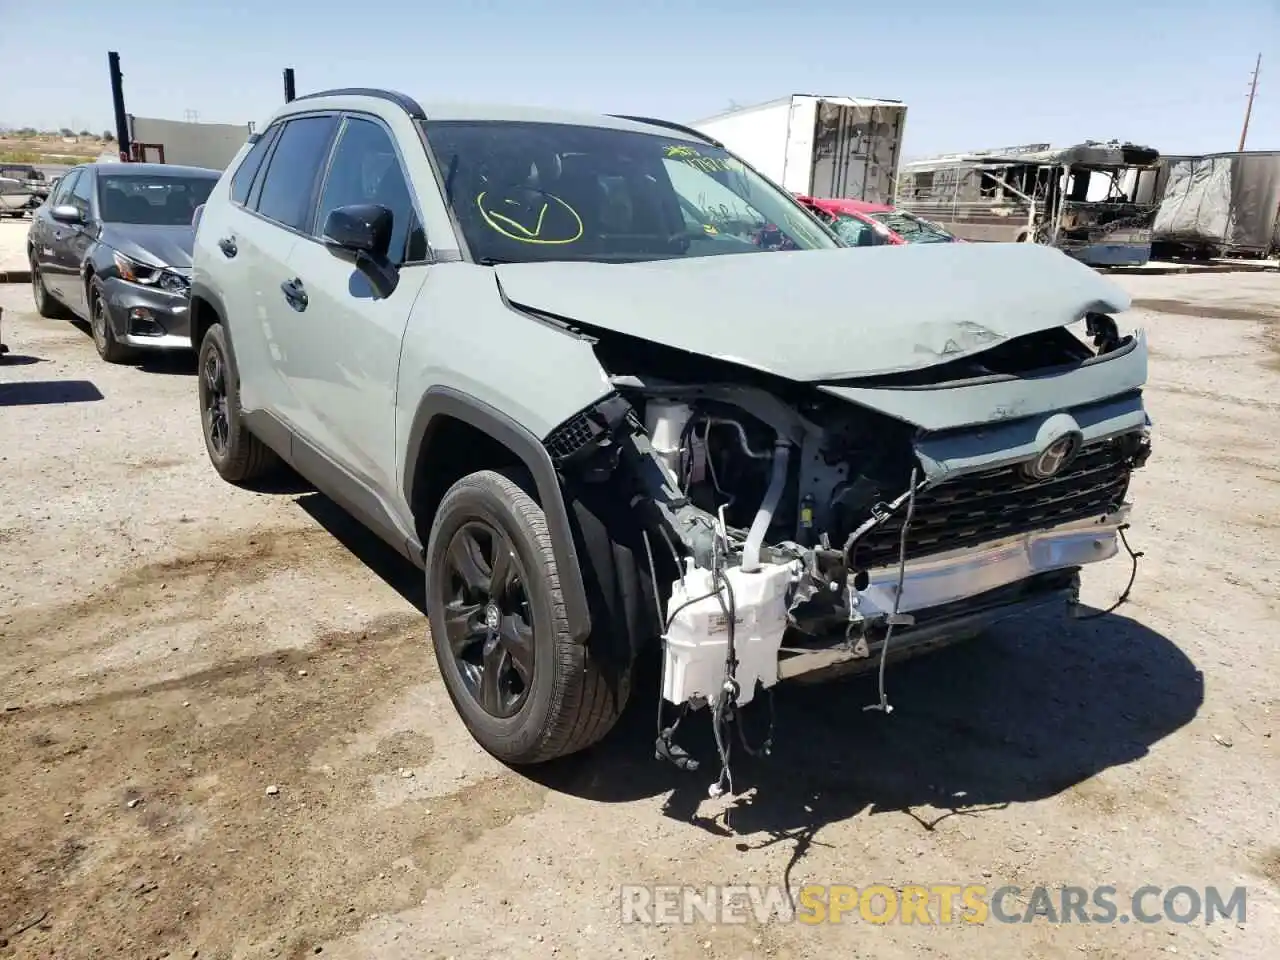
x=440, y=402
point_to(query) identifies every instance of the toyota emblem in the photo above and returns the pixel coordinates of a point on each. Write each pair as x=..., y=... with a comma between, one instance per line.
x=1054, y=458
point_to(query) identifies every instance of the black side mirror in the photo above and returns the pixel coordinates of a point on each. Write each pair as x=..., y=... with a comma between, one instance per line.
x=66, y=213
x=360, y=228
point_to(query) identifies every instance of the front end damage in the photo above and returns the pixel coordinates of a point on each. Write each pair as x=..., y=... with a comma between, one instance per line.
x=791, y=530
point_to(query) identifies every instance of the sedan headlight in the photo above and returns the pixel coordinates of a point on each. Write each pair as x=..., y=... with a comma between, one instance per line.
x=174, y=283
x=150, y=276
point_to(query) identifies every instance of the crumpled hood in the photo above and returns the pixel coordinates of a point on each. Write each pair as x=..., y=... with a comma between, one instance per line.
x=161, y=246
x=825, y=314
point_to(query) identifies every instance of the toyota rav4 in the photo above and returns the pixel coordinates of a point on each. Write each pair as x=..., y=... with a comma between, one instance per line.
x=586, y=371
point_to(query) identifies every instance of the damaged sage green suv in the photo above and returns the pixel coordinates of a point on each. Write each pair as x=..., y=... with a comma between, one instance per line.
x=607, y=386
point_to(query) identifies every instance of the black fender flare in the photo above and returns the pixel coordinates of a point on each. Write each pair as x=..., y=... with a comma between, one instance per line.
x=203, y=291
x=447, y=402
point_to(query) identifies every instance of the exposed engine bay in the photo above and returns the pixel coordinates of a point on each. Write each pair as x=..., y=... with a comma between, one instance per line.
x=803, y=533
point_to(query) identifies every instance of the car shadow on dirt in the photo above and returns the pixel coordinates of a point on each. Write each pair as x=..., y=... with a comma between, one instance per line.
x=397, y=572
x=1019, y=715
x=25, y=393
x=1038, y=705
x=171, y=363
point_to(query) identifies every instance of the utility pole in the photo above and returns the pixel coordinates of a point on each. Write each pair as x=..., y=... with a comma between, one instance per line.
x=117, y=103
x=1248, y=110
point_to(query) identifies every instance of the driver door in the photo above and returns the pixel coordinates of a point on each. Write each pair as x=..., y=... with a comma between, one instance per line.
x=345, y=340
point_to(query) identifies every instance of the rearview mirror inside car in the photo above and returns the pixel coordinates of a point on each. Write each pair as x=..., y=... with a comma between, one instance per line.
x=66, y=213
x=360, y=228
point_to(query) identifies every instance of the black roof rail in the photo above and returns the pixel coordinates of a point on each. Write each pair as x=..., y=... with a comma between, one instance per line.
x=671, y=125
x=405, y=103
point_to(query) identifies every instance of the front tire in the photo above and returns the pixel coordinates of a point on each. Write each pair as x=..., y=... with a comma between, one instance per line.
x=525, y=689
x=104, y=338
x=238, y=456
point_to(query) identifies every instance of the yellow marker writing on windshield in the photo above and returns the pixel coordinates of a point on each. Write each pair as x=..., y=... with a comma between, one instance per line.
x=512, y=229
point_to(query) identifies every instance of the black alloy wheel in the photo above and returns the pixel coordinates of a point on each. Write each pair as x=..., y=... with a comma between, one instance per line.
x=213, y=406
x=488, y=619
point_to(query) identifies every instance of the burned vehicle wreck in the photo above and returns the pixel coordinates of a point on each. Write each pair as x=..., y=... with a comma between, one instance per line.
x=795, y=497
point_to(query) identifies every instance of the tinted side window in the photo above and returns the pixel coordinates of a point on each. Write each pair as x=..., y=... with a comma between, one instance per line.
x=366, y=169
x=81, y=192
x=290, y=180
x=242, y=180
x=63, y=190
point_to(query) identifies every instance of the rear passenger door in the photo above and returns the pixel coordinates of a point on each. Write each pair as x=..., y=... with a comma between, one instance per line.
x=345, y=345
x=268, y=220
x=47, y=232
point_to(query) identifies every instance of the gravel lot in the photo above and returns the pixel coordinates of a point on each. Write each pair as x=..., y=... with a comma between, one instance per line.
x=13, y=244
x=221, y=728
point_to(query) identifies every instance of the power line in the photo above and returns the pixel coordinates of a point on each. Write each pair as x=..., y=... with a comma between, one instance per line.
x=1248, y=110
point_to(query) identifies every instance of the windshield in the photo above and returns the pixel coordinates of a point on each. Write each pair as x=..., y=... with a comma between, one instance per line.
x=154, y=200
x=548, y=191
x=913, y=229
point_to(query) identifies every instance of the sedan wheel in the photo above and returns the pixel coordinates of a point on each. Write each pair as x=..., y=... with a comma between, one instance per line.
x=46, y=306
x=109, y=348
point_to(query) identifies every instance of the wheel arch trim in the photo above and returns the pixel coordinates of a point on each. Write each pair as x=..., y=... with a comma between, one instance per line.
x=440, y=402
x=202, y=291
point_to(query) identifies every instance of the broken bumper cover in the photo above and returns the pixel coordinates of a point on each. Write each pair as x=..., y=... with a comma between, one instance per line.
x=148, y=318
x=952, y=596
x=946, y=578
x=947, y=597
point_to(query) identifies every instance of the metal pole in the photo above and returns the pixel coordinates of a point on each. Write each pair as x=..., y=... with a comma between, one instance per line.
x=289, y=91
x=117, y=102
x=1248, y=110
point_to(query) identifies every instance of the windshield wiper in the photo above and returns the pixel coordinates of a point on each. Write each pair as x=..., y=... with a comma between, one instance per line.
x=494, y=261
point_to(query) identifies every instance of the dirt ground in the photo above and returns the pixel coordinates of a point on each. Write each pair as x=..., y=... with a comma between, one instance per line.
x=222, y=733
x=13, y=244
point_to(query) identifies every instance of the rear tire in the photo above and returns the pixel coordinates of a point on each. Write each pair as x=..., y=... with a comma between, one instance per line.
x=46, y=306
x=525, y=689
x=238, y=456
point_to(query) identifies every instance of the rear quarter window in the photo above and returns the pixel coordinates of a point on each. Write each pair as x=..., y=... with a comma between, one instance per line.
x=289, y=184
x=242, y=179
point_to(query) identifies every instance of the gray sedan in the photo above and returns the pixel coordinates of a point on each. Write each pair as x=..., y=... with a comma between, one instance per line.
x=112, y=246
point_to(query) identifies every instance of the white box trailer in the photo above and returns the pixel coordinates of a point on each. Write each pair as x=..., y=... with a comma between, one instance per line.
x=1220, y=204
x=827, y=147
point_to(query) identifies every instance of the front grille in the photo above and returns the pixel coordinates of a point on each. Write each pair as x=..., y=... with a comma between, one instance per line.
x=982, y=507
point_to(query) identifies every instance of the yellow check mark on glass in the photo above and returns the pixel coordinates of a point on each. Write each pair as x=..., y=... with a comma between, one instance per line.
x=537, y=228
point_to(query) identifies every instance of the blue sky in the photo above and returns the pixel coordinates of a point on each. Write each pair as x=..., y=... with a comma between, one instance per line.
x=974, y=73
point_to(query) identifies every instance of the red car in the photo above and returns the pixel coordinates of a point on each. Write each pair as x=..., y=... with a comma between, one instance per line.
x=862, y=224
